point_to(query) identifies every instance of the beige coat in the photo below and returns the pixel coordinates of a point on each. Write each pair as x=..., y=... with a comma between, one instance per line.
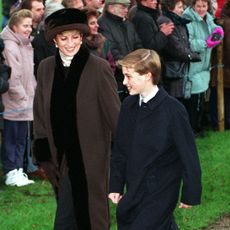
x=97, y=112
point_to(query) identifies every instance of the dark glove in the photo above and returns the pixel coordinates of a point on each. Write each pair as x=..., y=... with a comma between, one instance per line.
x=1, y=45
x=4, y=76
x=194, y=57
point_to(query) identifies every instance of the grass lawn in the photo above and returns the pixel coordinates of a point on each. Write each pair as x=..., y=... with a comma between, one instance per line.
x=32, y=207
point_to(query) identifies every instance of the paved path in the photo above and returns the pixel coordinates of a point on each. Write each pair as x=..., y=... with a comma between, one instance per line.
x=222, y=224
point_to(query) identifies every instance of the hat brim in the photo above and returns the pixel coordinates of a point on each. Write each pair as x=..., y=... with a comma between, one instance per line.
x=51, y=33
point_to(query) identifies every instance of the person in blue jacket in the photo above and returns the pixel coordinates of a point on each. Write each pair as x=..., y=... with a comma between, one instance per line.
x=153, y=152
x=200, y=29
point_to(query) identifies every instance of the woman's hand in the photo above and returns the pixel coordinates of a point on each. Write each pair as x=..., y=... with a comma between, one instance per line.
x=115, y=197
x=182, y=205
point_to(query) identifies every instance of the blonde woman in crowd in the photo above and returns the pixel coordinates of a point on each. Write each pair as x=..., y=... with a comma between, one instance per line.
x=18, y=100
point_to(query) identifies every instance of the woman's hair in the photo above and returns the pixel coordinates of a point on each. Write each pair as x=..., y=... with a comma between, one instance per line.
x=17, y=17
x=90, y=12
x=143, y=61
x=170, y=4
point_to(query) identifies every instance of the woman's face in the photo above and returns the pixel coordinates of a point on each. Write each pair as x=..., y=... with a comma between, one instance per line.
x=93, y=25
x=24, y=28
x=69, y=42
x=201, y=7
x=179, y=8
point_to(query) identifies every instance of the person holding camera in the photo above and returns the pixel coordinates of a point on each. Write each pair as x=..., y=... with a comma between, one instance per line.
x=204, y=34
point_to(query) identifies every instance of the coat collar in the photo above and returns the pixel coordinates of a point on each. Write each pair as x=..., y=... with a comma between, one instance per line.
x=114, y=18
x=133, y=101
x=176, y=19
x=153, y=12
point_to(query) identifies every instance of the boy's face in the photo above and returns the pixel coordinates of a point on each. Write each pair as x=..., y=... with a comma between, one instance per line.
x=135, y=83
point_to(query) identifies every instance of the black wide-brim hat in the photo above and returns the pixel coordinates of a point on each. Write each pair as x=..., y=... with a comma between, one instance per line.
x=63, y=20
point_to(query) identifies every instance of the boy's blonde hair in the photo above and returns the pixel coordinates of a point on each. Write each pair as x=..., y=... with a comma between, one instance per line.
x=143, y=61
x=17, y=17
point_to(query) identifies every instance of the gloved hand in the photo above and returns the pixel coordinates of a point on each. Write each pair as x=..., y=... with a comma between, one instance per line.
x=215, y=38
x=218, y=30
x=194, y=57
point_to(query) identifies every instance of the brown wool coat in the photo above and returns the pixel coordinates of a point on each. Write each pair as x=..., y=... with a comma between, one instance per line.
x=97, y=112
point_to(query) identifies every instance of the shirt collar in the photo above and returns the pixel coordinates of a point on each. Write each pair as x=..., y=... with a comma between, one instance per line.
x=149, y=96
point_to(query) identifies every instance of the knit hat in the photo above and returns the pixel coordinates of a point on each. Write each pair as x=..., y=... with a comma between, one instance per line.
x=63, y=20
x=124, y=2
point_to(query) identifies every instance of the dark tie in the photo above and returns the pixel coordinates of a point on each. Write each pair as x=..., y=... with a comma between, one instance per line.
x=144, y=105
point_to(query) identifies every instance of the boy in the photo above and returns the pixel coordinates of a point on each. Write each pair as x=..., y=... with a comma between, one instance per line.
x=153, y=152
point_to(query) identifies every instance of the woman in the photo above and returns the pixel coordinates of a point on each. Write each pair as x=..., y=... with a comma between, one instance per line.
x=177, y=54
x=18, y=100
x=75, y=113
x=153, y=152
x=78, y=4
x=95, y=41
x=200, y=29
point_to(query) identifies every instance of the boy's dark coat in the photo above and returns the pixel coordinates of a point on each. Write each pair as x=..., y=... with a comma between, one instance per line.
x=154, y=149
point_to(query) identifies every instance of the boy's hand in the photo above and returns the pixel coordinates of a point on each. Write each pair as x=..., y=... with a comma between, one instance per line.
x=182, y=205
x=115, y=197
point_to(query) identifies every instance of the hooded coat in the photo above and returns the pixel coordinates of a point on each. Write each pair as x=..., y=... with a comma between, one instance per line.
x=74, y=120
x=18, y=54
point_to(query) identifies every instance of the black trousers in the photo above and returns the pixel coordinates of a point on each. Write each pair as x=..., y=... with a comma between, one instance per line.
x=65, y=218
x=195, y=109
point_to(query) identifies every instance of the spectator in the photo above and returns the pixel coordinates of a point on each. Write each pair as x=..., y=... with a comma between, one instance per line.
x=200, y=30
x=220, y=5
x=120, y=33
x=78, y=4
x=37, y=8
x=5, y=71
x=42, y=48
x=177, y=53
x=96, y=42
x=6, y=8
x=4, y=75
x=75, y=114
x=95, y=4
x=226, y=73
x=145, y=21
x=47, y=2
x=153, y=152
x=18, y=100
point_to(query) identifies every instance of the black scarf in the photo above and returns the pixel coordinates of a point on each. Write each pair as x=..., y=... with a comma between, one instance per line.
x=176, y=19
x=65, y=130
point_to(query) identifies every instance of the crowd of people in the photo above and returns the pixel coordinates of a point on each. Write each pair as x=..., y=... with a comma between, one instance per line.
x=81, y=77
